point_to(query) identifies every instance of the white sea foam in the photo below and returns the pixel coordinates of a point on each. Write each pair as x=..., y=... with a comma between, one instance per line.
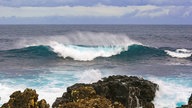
x=171, y=94
x=50, y=94
x=85, y=53
x=90, y=76
x=179, y=53
x=4, y=97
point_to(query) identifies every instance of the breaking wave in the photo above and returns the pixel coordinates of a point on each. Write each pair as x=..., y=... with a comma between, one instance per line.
x=179, y=53
x=88, y=53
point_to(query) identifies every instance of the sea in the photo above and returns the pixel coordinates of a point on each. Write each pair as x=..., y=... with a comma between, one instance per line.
x=50, y=58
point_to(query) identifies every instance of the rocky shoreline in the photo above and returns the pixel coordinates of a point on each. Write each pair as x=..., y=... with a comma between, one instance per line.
x=111, y=92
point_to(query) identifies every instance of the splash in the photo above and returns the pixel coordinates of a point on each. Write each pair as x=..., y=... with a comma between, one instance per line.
x=173, y=92
x=85, y=46
x=90, y=76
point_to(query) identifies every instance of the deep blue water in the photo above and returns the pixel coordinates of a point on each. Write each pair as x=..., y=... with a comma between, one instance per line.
x=50, y=58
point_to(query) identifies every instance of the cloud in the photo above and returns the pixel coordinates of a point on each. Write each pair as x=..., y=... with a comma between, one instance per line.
x=42, y=3
x=97, y=11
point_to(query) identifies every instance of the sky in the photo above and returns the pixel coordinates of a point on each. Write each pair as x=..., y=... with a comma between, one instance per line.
x=96, y=12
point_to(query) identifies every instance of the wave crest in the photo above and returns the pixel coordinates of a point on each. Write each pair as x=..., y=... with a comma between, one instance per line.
x=88, y=53
x=83, y=53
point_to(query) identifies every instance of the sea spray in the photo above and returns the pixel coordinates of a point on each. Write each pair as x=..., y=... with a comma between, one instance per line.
x=172, y=93
x=89, y=76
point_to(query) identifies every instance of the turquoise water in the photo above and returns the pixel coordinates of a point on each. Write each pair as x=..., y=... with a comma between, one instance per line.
x=64, y=55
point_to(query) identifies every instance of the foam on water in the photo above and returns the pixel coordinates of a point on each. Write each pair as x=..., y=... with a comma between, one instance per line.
x=48, y=86
x=173, y=92
x=6, y=92
x=90, y=76
x=179, y=53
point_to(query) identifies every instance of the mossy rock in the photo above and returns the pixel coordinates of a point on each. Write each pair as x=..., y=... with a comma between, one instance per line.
x=83, y=92
x=27, y=99
x=97, y=102
x=85, y=96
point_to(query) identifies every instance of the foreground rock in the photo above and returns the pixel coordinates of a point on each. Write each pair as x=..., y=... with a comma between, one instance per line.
x=112, y=92
x=27, y=99
x=189, y=103
x=84, y=96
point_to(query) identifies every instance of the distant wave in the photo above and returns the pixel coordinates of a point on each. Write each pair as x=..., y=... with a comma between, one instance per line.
x=88, y=53
x=179, y=53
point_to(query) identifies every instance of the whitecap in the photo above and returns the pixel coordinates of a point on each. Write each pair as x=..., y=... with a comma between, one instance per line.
x=82, y=53
x=179, y=53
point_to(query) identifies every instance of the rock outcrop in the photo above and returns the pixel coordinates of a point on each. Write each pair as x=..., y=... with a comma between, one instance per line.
x=84, y=96
x=111, y=92
x=27, y=99
x=189, y=105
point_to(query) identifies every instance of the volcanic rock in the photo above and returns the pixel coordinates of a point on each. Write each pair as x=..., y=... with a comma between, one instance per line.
x=27, y=99
x=123, y=91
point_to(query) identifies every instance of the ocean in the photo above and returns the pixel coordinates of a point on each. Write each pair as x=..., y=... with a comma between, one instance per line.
x=49, y=58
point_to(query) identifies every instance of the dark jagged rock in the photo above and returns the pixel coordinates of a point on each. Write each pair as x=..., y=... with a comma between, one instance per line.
x=189, y=103
x=27, y=99
x=132, y=92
